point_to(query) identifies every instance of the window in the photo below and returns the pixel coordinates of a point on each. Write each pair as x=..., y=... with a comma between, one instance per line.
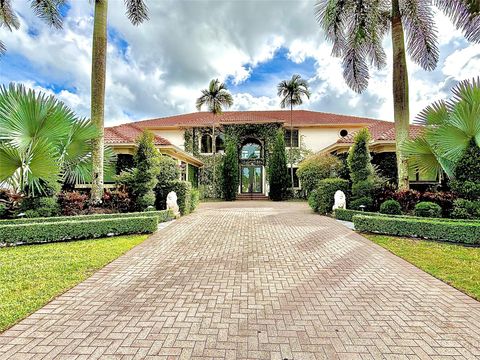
x=183, y=170
x=293, y=136
x=251, y=150
x=219, y=143
x=296, y=181
x=206, y=144
x=343, y=132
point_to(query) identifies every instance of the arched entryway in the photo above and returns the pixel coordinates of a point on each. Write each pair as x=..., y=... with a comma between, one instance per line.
x=252, y=167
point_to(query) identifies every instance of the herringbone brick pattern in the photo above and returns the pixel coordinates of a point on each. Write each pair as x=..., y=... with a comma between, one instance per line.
x=253, y=281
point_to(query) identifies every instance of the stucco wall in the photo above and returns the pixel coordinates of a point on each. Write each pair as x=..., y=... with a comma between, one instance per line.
x=175, y=136
x=317, y=138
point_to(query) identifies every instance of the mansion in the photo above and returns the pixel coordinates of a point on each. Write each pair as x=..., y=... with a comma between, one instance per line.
x=190, y=139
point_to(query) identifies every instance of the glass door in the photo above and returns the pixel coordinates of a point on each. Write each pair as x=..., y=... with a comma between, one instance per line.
x=251, y=181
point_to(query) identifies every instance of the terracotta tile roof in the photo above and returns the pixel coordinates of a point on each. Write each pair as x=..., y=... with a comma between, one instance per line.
x=382, y=131
x=127, y=134
x=300, y=117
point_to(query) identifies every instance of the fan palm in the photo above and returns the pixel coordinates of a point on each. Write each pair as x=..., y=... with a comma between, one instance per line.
x=42, y=142
x=48, y=10
x=450, y=126
x=215, y=98
x=357, y=29
x=292, y=93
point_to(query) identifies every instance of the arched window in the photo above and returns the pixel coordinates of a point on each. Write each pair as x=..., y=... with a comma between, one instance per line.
x=220, y=143
x=251, y=150
x=206, y=144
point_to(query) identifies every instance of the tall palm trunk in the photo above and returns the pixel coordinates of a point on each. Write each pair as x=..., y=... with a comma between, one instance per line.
x=214, y=150
x=99, y=62
x=400, y=94
x=291, y=142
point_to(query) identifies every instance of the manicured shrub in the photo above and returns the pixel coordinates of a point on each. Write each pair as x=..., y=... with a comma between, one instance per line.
x=428, y=209
x=441, y=229
x=322, y=199
x=361, y=170
x=72, y=202
x=466, y=209
x=348, y=214
x=162, y=214
x=317, y=167
x=40, y=206
x=277, y=169
x=391, y=207
x=183, y=190
x=230, y=171
x=364, y=202
x=407, y=199
x=3, y=211
x=73, y=230
x=169, y=172
x=141, y=180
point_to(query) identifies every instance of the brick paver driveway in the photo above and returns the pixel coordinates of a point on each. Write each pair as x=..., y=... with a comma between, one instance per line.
x=253, y=281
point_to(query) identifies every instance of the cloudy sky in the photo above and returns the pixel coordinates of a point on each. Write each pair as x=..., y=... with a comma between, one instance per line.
x=158, y=68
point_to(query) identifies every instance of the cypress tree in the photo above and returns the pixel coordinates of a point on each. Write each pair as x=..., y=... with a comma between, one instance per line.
x=230, y=171
x=278, y=172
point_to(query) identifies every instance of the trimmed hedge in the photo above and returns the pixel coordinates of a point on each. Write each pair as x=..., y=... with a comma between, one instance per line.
x=348, y=214
x=467, y=232
x=75, y=230
x=162, y=215
x=321, y=200
x=428, y=209
x=391, y=207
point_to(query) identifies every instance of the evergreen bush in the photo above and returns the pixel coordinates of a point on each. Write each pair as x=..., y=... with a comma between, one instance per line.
x=322, y=199
x=230, y=171
x=466, y=209
x=278, y=172
x=391, y=207
x=317, y=167
x=428, y=209
x=466, y=181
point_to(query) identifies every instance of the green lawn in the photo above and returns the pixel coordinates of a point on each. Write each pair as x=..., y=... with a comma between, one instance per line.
x=32, y=275
x=456, y=265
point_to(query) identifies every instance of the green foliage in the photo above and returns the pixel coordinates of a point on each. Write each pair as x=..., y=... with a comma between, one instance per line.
x=210, y=175
x=315, y=168
x=193, y=175
x=363, y=202
x=168, y=172
x=162, y=215
x=277, y=171
x=466, y=181
x=194, y=199
x=428, y=209
x=466, y=209
x=230, y=171
x=386, y=165
x=361, y=171
x=40, y=207
x=141, y=180
x=215, y=98
x=183, y=189
x=348, y=214
x=43, y=142
x=322, y=199
x=3, y=211
x=454, y=231
x=391, y=207
x=72, y=230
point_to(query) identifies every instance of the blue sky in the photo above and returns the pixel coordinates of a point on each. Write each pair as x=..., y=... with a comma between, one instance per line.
x=158, y=68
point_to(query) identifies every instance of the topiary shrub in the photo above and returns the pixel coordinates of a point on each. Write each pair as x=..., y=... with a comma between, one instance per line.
x=362, y=203
x=195, y=199
x=277, y=169
x=169, y=172
x=467, y=173
x=230, y=171
x=391, y=207
x=466, y=209
x=428, y=209
x=183, y=190
x=322, y=199
x=317, y=167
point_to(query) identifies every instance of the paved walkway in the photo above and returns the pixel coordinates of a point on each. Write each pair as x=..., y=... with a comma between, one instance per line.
x=253, y=281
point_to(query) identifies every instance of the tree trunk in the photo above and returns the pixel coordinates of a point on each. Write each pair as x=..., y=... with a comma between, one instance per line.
x=99, y=62
x=291, y=143
x=214, y=150
x=400, y=94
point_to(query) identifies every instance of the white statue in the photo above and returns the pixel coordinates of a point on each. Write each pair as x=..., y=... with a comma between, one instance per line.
x=172, y=203
x=340, y=200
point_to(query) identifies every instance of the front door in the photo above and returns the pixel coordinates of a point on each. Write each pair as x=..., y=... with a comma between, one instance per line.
x=251, y=179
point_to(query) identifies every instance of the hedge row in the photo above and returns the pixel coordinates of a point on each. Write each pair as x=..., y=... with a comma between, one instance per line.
x=347, y=215
x=74, y=230
x=162, y=215
x=467, y=232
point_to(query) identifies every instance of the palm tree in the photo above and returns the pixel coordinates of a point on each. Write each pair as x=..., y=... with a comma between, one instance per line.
x=137, y=12
x=292, y=92
x=215, y=98
x=42, y=142
x=357, y=29
x=47, y=10
x=450, y=126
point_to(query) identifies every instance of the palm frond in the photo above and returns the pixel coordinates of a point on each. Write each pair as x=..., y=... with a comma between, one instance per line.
x=8, y=18
x=421, y=157
x=10, y=162
x=3, y=49
x=292, y=91
x=137, y=11
x=419, y=25
x=355, y=69
x=465, y=15
x=48, y=10
x=215, y=98
x=331, y=15
x=434, y=114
